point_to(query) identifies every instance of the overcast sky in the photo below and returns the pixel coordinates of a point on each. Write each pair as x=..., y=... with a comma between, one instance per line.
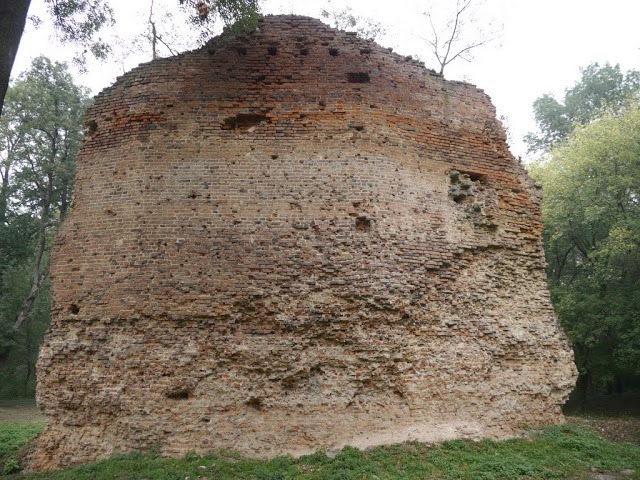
x=542, y=45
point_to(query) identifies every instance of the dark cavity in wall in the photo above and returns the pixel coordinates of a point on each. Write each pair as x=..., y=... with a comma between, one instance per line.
x=74, y=309
x=358, y=77
x=476, y=177
x=254, y=402
x=178, y=394
x=272, y=50
x=91, y=126
x=363, y=224
x=458, y=175
x=243, y=121
x=333, y=52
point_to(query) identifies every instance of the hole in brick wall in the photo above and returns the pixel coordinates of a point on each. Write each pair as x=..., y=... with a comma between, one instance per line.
x=365, y=51
x=178, y=393
x=358, y=77
x=473, y=176
x=476, y=177
x=363, y=224
x=357, y=127
x=74, y=309
x=272, y=50
x=254, y=402
x=243, y=121
x=304, y=51
x=333, y=52
x=91, y=126
x=242, y=50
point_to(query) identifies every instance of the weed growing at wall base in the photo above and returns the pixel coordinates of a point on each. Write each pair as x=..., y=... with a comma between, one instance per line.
x=556, y=452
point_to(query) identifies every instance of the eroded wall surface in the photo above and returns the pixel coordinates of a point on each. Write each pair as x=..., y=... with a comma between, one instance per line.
x=295, y=240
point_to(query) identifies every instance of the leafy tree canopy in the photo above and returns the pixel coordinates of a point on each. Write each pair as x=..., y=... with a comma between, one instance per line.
x=591, y=213
x=347, y=19
x=80, y=22
x=600, y=89
x=40, y=135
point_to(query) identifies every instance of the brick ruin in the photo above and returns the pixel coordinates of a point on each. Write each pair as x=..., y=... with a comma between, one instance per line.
x=295, y=240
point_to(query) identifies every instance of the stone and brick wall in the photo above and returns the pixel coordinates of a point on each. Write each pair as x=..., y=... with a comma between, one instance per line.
x=295, y=240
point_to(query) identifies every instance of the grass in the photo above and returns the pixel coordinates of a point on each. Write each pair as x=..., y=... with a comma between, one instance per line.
x=19, y=422
x=13, y=436
x=555, y=452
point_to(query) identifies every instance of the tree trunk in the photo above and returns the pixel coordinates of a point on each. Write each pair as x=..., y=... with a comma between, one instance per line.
x=64, y=201
x=29, y=364
x=39, y=274
x=4, y=355
x=582, y=389
x=4, y=196
x=13, y=16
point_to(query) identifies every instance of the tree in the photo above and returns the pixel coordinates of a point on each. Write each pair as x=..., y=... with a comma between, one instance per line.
x=42, y=130
x=459, y=35
x=19, y=348
x=591, y=213
x=600, y=89
x=80, y=21
x=40, y=135
x=346, y=19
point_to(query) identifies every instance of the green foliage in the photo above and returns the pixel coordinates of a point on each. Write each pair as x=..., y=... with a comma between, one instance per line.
x=556, y=452
x=79, y=22
x=347, y=20
x=13, y=436
x=41, y=129
x=600, y=89
x=238, y=16
x=20, y=346
x=591, y=212
x=40, y=135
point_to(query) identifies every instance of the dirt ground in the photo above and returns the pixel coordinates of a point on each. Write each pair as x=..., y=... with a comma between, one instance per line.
x=616, y=417
x=617, y=429
x=20, y=411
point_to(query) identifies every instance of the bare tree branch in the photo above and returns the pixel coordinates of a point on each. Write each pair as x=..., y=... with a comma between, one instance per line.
x=154, y=34
x=455, y=47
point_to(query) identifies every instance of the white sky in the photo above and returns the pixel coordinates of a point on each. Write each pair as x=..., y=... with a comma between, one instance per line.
x=543, y=44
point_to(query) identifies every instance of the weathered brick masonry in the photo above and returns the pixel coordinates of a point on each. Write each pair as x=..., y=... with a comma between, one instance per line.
x=295, y=240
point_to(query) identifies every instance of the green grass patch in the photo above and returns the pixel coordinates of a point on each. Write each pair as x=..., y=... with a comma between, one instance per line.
x=13, y=436
x=555, y=452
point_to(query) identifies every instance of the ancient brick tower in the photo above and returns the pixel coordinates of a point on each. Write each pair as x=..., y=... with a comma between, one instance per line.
x=295, y=240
